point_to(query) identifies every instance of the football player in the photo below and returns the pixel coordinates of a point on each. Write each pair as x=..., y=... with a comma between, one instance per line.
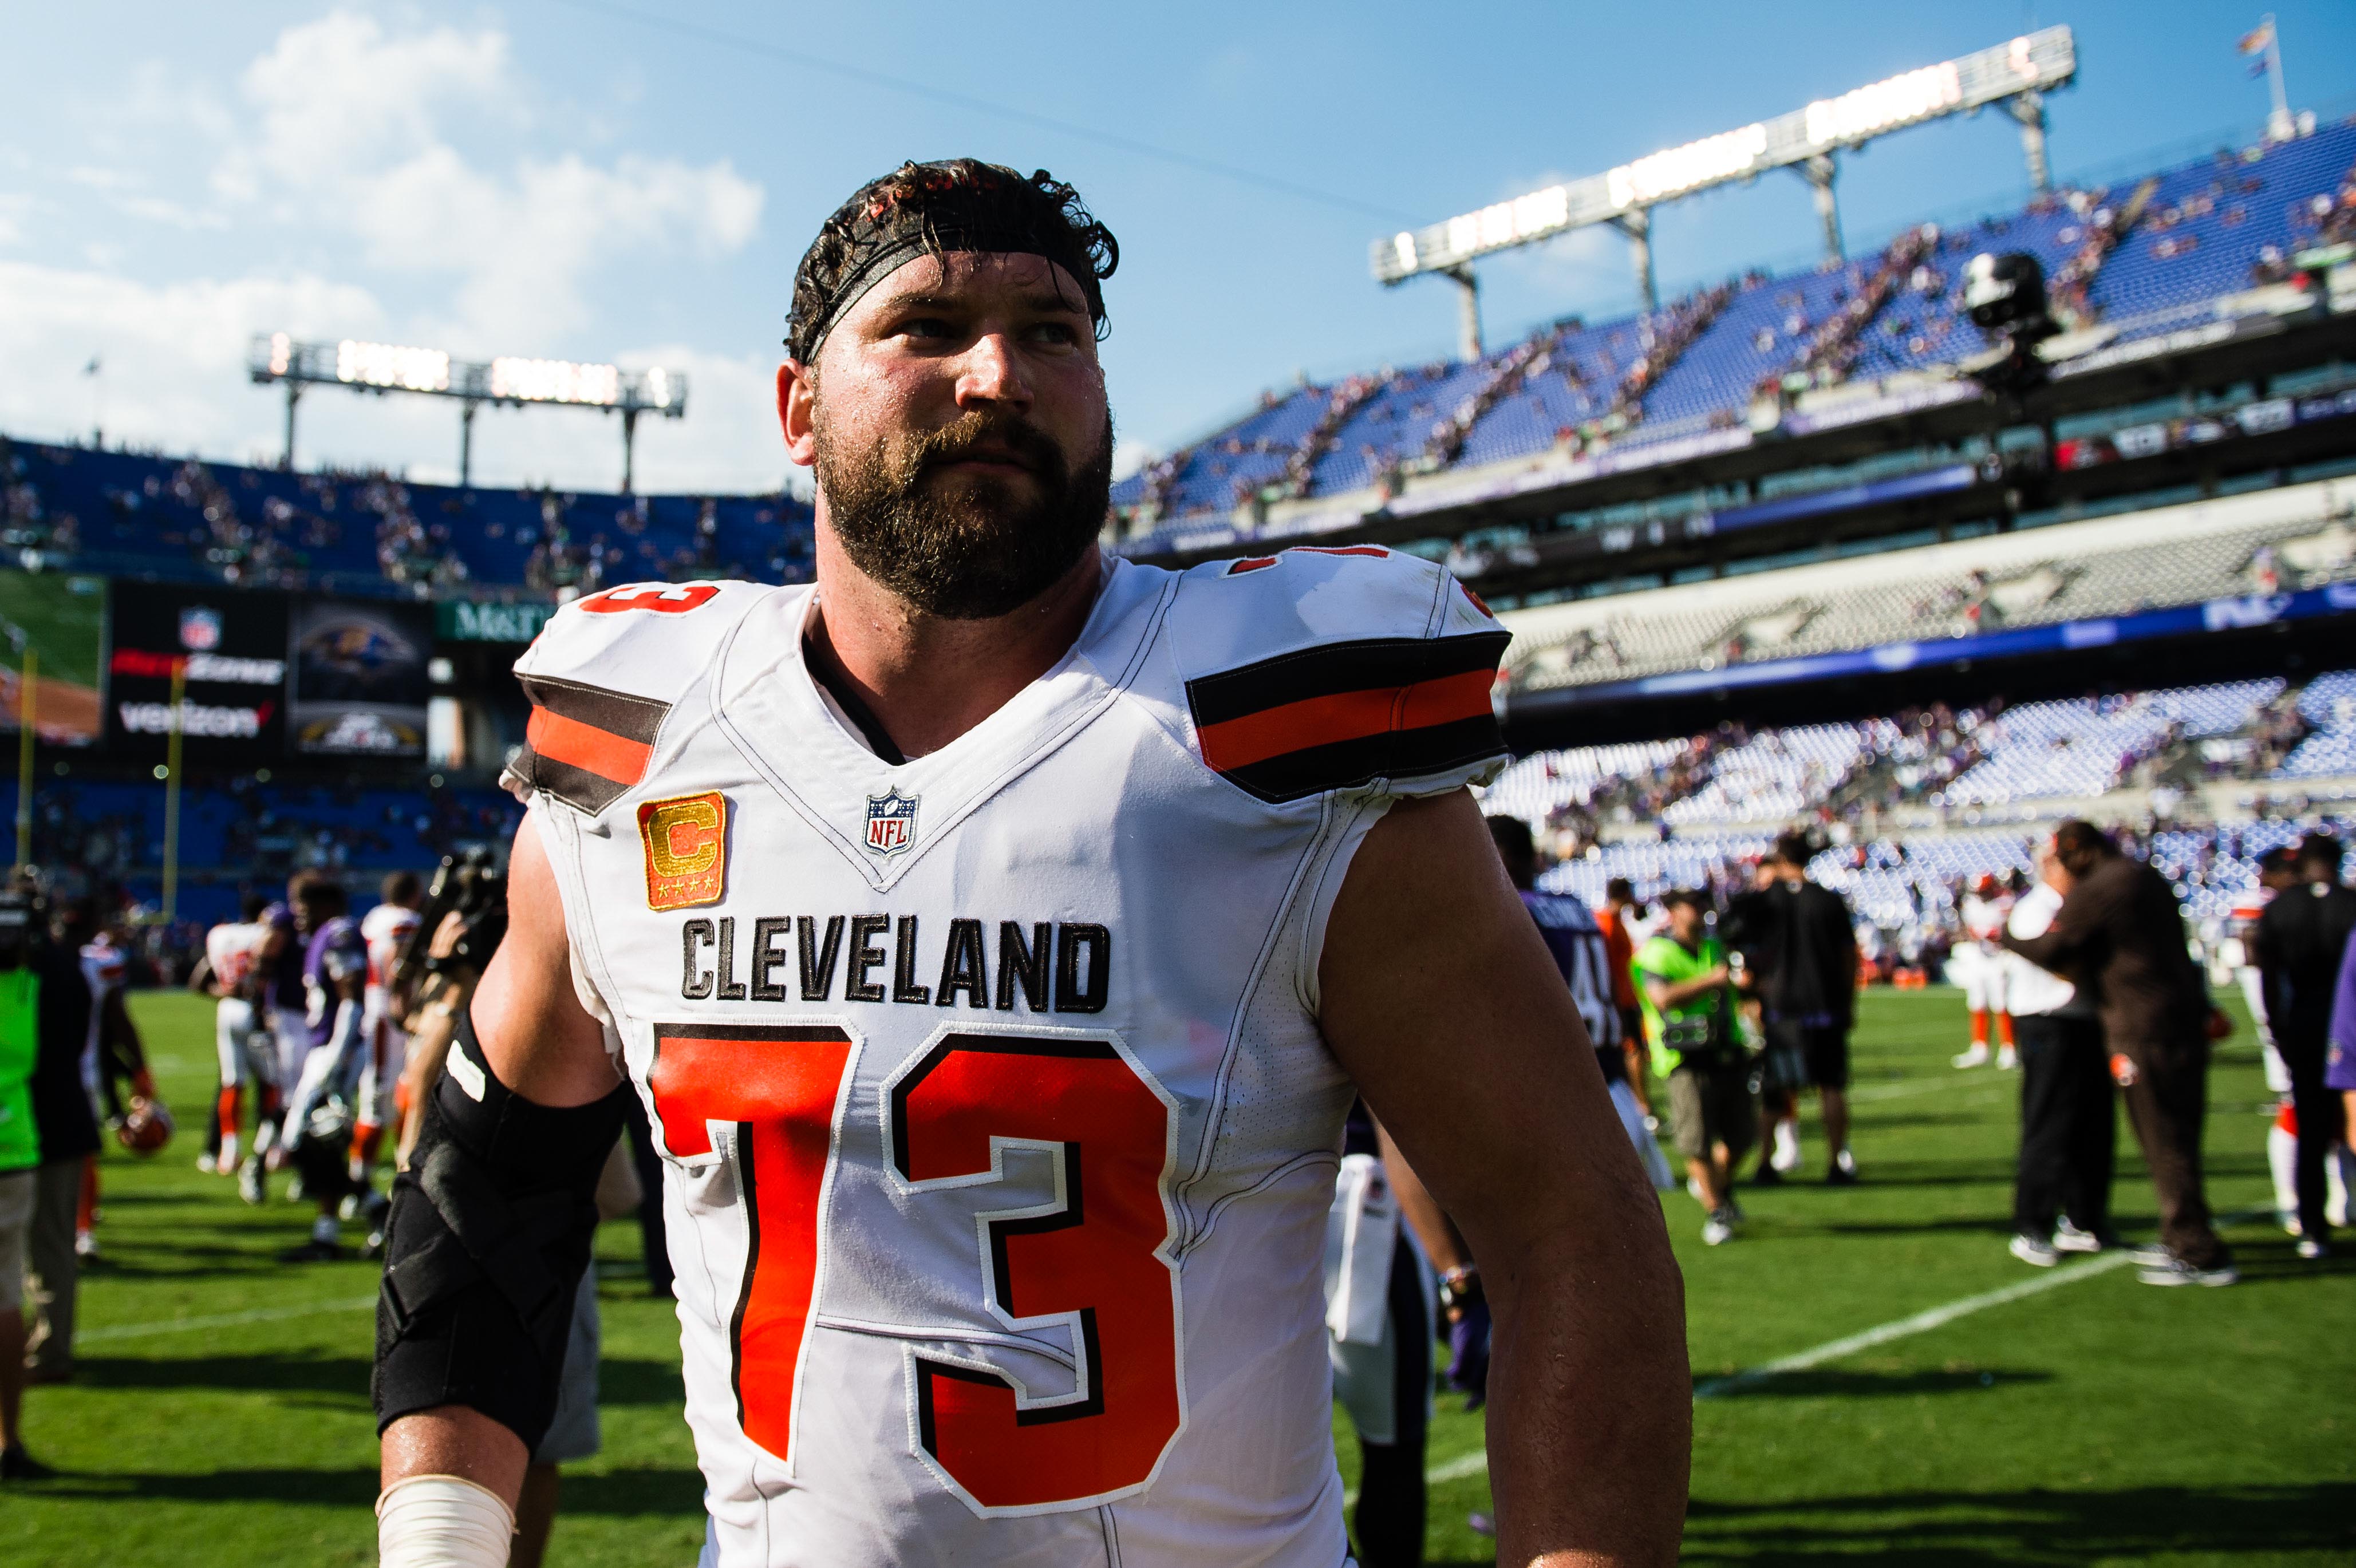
x=1981, y=963
x=384, y=931
x=232, y=950
x=112, y=1052
x=997, y=935
x=318, y=1121
x=279, y=992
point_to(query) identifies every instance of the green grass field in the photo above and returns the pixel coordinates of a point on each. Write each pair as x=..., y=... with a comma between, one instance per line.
x=222, y=1413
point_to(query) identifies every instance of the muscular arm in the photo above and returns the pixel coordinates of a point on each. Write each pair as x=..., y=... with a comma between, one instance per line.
x=1442, y=1243
x=1467, y=1048
x=544, y=1044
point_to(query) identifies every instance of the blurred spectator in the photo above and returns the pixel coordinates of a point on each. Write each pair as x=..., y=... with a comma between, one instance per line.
x=67, y=1123
x=2298, y=943
x=2069, y=1126
x=1806, y=984
x=2119, y=931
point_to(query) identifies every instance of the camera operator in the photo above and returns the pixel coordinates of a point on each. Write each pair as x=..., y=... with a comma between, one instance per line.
x=460, y=927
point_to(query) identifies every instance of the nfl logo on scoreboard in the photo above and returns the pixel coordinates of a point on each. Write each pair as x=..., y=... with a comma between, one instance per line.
x=200, y=630
x=891, y=823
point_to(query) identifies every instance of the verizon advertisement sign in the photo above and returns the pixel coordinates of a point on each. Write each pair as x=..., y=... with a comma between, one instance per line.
x=232, y=712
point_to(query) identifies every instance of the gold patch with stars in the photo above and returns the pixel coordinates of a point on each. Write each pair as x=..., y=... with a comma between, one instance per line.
x=687, y=849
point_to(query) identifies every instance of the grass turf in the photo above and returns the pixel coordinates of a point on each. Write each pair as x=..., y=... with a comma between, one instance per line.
x=2100, y=1421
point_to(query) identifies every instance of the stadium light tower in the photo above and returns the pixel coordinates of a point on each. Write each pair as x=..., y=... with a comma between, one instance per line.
x=513, y=382
x=2017, y=74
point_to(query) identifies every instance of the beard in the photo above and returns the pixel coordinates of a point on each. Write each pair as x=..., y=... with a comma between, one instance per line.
x=977, y=547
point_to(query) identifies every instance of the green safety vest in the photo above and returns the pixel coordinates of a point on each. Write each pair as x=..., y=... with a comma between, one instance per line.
x=20, y=1043
x=1665, y=959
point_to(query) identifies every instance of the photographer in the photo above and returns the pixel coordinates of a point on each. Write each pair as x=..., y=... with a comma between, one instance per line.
x=1687, y=990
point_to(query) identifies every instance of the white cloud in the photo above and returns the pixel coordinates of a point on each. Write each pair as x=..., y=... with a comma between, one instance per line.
x=171, y=352
x=168, y=351
x=354, y=133
x=422, y=181
x=337, y=96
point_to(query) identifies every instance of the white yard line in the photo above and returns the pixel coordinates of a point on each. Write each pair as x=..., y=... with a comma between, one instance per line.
x=221, y=1320
x=1477, y=1461
x=1920, y=1323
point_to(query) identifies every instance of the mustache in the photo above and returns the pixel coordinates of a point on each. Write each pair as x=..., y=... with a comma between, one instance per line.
x=990, y=435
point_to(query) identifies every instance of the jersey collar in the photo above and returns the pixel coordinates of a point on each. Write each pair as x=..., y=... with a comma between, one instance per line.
x=769, y=704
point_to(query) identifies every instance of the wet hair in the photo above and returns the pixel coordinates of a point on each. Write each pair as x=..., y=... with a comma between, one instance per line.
x=931, y=209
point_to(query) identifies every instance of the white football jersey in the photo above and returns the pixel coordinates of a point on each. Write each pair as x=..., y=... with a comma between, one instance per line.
x=1984, y=918
x=232, y=948
x=385, y=930
x=999, y=1131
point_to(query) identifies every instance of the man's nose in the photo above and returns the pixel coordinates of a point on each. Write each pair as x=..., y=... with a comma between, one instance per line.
x=993, y=373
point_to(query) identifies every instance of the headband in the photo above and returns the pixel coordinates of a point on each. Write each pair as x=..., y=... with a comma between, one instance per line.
x=932, y=210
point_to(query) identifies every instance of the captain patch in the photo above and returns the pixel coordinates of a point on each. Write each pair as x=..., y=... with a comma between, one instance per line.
x=687, y=849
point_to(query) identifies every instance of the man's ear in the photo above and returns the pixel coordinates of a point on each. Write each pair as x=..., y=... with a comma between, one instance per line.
x=796, y=390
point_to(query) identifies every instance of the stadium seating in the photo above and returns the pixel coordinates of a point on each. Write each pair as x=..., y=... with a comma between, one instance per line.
x=2070, y=572
x=2329, y=704
x=1690, y=812
x=373, y=535
x=2135, y=257
x=111, y=833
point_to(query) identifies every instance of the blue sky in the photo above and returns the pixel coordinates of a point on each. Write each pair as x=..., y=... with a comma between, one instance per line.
x=635, y=180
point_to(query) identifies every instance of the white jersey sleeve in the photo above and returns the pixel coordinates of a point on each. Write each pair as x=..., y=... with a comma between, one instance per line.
x=603, y=677
x=1352, y=669
x=230, y=948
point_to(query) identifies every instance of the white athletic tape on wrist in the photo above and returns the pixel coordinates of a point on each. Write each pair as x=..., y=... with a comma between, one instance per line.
x=442, y=1521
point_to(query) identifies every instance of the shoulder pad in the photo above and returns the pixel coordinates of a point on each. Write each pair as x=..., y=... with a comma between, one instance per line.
x=1320, y=669
x=604, y=673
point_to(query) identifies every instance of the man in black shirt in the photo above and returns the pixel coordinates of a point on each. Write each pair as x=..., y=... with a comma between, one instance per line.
x=68, y=1131
x=2298, y=943
x=1802, y=949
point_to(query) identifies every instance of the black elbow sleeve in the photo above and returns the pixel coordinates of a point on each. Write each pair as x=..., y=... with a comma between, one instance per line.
x=490, y=1229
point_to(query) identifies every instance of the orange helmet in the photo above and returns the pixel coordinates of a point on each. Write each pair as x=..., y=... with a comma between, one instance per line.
x=147, y=1128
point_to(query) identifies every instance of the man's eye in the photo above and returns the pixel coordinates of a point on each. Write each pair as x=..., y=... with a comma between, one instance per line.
x=1054, y=332
x=925, y=327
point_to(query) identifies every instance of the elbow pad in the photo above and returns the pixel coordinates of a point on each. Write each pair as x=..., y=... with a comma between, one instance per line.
x=490, y=1229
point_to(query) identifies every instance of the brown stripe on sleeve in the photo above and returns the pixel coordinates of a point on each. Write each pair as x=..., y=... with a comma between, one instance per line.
x=1344, y=714
x=585, y=745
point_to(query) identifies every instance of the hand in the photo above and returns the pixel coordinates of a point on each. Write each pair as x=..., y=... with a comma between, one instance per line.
x=446, y=935
x=1720, y=975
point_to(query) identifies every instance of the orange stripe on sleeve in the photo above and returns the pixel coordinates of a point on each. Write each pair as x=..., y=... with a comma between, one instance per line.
x=1345, y=716
x=584, y=746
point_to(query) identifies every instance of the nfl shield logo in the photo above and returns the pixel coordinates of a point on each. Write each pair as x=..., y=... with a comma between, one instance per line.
x=200, y=630
x=891, y=823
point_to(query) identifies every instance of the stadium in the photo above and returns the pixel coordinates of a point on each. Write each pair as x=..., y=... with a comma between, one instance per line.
x=1919, y=550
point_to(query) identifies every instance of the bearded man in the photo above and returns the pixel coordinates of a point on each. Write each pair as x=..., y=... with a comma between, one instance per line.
x=997, y=935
